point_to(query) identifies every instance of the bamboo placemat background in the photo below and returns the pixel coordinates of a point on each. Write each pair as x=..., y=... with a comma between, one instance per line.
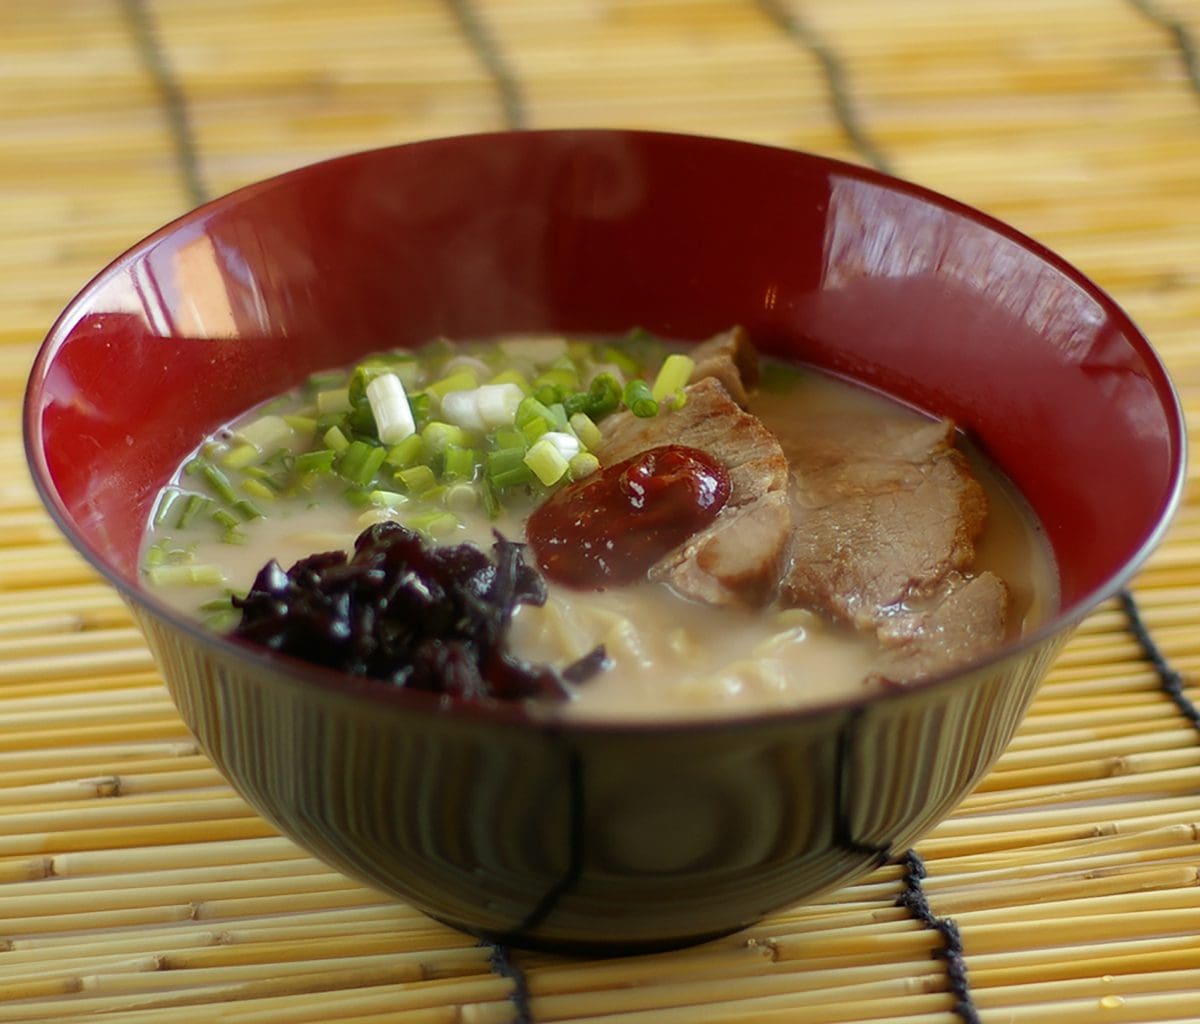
x=134, y=885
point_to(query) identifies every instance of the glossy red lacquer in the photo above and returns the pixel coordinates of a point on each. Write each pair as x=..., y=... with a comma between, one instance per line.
x=603, y=835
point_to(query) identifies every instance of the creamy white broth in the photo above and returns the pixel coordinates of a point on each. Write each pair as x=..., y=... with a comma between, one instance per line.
x=668, y=655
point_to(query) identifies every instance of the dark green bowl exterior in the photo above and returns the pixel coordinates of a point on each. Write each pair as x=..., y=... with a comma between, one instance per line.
x=593, y=840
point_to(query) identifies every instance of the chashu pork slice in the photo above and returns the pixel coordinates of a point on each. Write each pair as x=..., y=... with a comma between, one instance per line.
x=736, y=559
x=886, y=517
x=963, y=621
x=730, y=358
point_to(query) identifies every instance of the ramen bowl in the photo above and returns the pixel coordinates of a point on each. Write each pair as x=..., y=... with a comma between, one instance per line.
x=602, y=836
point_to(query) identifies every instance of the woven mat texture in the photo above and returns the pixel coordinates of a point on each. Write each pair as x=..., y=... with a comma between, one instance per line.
x=136, y=887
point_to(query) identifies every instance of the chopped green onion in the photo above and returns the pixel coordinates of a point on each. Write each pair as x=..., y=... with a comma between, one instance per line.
x=582, y=465
x=248, y=510
x=483, y=408
x=604, y=396
x=387, y=499
x=266, y=433
x=487, y=495
x=461, y=380
x=165, y=501
x=195, y=505
x=226, y=518
x=240, y=456
x=511, y=376
x=407, y=453
x=438, y=436
x=673, y=375
x=319, y=460
x=547, y=394
x=335, y=439
x=203, y=574
x=586, y=431
x=417, y=480
x=504, y=460
x=676, y=401
x=433, y=523
x=462, y=498
x=535, y=429
x=257, y=489
x=303, y=426
x=639, y=399
x=559, y=377
x=550, y=456
x=514, y=477
x=508, y=437
x=389, y=406
x=459, y=463
x=337, y=400
x=361, y=461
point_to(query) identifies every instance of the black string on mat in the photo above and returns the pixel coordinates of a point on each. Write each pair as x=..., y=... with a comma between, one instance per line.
x=483, y=44
x=1180, y=35
x=913, y=899
x=171, y=95
x=1169, y=680
x=834, y=73
x=503, y=965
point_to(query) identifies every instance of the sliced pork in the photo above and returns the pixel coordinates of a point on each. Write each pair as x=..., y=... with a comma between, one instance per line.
x=730, y=358
x=960, y=623
x=737, y=558
x=885, y=509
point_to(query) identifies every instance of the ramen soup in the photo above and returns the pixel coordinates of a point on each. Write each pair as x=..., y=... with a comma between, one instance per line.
x=653, y=529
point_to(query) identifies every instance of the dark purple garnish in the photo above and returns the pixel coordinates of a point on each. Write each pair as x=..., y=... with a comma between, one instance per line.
x=412, y=614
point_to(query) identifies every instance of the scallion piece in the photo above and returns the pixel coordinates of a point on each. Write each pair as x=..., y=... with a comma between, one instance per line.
x=583, y=465
x=604, y=396
x=505, y=460
x=463, y=379
x=417, y=480
x=483, y=408
x=459, y=463
x=245, y=508
x=334, y=438
x=515, y=477
x=673, y=375
x=166, y=501
x=240, y=456
x=199, y=574
x=193, y=505
x=361, y=461
x=549, y=458
x=438, y=436
x=407, y=453
x=267, y=433
x=586, y=431
x=319, y=460
x=393, y=416
x=462, y=498
x=333, y=401
x=258, y=489
x=639, y=399
x=433, y=522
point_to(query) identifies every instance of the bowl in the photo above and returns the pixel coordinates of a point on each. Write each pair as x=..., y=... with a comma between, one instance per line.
x=602, y=836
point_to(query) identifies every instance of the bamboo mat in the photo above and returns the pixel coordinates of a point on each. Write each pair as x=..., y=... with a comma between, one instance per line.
x=136, y=887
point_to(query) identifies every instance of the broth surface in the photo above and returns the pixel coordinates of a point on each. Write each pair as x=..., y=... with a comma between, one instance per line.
x=669, y=655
